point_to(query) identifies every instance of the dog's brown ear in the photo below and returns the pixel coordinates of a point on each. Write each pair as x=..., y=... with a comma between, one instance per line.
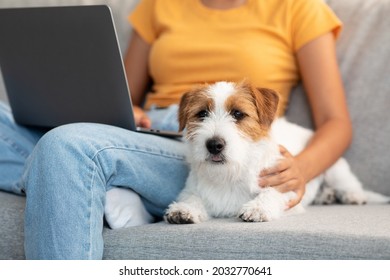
x=186, y=106
x=267, y=104
x=183, y=110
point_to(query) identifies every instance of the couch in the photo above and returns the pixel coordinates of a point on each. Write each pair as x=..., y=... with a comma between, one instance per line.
x=322, y=232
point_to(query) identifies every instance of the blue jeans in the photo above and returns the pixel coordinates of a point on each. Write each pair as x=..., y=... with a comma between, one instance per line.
x=69, y=170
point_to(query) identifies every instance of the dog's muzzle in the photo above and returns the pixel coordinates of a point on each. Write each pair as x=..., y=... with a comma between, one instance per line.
x=215, y=146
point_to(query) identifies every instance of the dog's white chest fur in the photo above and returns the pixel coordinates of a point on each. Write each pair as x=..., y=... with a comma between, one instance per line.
x=230, y=140
x=224, y=189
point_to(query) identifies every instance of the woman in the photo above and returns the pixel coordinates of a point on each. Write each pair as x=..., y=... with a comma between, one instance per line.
x=178, y=43
x=314, y=51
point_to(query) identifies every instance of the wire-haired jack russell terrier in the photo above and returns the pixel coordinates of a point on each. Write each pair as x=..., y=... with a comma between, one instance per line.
x=232, y=135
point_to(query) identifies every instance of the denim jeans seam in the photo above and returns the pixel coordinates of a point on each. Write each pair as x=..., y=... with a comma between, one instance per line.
x=14, y=146
x=140, y=149
x=91, y=188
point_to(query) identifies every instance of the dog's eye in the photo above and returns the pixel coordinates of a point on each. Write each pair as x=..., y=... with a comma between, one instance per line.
x=238, y=115
x=202, y=114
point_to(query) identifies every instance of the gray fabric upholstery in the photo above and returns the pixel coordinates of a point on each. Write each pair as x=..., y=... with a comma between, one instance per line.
x=323, y=232
x=11, y=226
x=334, y=232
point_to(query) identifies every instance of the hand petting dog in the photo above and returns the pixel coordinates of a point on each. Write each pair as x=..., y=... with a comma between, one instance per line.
x=285, y=176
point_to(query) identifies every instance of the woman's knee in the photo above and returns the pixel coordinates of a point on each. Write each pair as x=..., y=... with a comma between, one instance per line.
x=75, y=139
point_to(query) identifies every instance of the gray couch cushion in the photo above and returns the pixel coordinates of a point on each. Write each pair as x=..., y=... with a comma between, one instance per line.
x=11, y=226
x=323, y=232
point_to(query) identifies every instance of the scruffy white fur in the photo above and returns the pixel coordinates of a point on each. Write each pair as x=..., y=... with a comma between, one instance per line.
x=226, y=185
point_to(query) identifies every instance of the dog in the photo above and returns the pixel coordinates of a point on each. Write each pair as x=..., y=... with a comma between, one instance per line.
x=232, y=134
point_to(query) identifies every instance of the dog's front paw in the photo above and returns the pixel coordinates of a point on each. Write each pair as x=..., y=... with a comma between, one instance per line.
x=269, y=205
x=182, y=213
x=255, y=212
x=253, y=215
x=351, y=197
x=179, y=217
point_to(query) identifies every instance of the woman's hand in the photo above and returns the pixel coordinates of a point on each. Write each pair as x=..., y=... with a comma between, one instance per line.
x=285, y=176
x=141, y=118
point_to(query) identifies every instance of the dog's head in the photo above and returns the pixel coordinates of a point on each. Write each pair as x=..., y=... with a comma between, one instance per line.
x=223, y=118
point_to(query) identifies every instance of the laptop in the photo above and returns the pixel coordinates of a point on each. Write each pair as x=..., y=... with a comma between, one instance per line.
x=63, y=65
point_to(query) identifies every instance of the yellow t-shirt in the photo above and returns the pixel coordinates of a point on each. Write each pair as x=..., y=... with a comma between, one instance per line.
x=193, y=44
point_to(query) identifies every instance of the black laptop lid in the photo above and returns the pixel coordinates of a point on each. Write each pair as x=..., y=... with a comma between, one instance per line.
x=62, y=65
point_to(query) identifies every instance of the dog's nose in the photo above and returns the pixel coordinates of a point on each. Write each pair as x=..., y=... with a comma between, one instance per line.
x=215, y=145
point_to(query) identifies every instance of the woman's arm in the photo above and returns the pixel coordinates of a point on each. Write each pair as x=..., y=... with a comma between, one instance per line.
x=321, y=78
x=322, y=81
x=136, y=64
